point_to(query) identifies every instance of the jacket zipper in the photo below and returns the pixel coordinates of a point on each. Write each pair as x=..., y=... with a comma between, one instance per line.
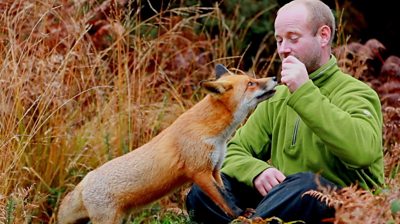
x=297, y=122
x=296, y=128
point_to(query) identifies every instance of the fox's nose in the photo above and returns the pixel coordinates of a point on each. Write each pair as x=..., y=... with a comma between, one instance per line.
x=276, y=79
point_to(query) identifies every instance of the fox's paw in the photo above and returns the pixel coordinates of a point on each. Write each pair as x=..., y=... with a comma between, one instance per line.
x=245, y=220
x=249, y=212
x=259, y=220
x=241, y=220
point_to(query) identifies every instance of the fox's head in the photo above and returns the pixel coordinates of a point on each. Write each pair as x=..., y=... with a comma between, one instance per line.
x=240, y=92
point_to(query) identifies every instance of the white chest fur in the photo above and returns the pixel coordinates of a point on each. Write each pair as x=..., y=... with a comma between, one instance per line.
x=218, y=154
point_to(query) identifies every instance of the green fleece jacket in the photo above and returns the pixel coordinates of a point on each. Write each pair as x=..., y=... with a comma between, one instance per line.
x=331, y=125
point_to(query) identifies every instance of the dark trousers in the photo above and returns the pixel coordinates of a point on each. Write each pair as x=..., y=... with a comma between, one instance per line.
x=284, y=201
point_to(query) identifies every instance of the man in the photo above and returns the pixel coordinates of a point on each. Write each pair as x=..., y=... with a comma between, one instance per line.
x=321, y=128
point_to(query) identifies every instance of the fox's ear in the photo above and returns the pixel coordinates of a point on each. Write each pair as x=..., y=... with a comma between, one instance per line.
x=216, y=87
x=221, y=70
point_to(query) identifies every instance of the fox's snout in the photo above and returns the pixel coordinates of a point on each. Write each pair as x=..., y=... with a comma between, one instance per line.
x=267, y=89
x=274, y=81
x=269, y=83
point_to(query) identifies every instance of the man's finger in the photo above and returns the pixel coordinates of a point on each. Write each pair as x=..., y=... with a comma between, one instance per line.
x=290, y=59
x=280, y=177
x=268, y=188
x=262, y=190
x=274, y=182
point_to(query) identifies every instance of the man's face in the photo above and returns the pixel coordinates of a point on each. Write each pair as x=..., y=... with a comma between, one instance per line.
x=295, y=37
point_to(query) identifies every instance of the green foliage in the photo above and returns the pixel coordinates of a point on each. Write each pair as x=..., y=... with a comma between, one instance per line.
x=10, y=207
x=395, y=206
x=252, y=14
x=55, y=196
x=250, y=21
x=156, y=215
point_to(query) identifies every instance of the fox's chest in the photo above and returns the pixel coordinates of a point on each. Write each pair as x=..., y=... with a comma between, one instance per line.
x=217, y=155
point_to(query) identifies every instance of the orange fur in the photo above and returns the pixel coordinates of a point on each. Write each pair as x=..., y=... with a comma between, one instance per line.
x=190, y=150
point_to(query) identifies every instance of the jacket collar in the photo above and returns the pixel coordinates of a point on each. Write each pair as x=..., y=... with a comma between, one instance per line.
x=324, y=72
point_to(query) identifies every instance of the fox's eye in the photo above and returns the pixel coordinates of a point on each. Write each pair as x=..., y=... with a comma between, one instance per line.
x=251, y=84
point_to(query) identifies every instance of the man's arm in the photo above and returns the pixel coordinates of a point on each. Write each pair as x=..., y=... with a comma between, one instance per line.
x=350, y=125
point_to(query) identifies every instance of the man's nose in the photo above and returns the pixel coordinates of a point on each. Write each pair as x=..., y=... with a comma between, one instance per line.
x=284, y=48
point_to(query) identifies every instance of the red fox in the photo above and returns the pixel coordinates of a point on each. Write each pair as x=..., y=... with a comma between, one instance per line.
x=192, y=149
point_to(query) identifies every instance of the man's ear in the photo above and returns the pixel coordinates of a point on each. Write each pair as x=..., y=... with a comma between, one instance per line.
x=325, y=33
x=216, y=87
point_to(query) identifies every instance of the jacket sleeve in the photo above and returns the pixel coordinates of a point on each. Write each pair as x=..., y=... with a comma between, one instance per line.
x=248, y=150
x=350, y=123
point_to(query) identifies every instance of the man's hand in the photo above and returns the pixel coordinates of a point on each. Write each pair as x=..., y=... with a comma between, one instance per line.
x=268, y=179
x=294, y=73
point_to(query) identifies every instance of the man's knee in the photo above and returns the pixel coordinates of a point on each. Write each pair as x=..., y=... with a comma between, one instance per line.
x=202, y=209
x=286, y=200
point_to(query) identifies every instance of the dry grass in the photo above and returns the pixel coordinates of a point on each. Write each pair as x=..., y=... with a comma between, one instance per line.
x=80, y=87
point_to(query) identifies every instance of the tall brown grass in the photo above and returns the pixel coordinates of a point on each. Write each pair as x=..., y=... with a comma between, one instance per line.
x=77, y=92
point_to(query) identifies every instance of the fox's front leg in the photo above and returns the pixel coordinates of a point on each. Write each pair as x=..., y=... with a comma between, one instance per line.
x=217, y=193
x=217, y=177
x=106, y=216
